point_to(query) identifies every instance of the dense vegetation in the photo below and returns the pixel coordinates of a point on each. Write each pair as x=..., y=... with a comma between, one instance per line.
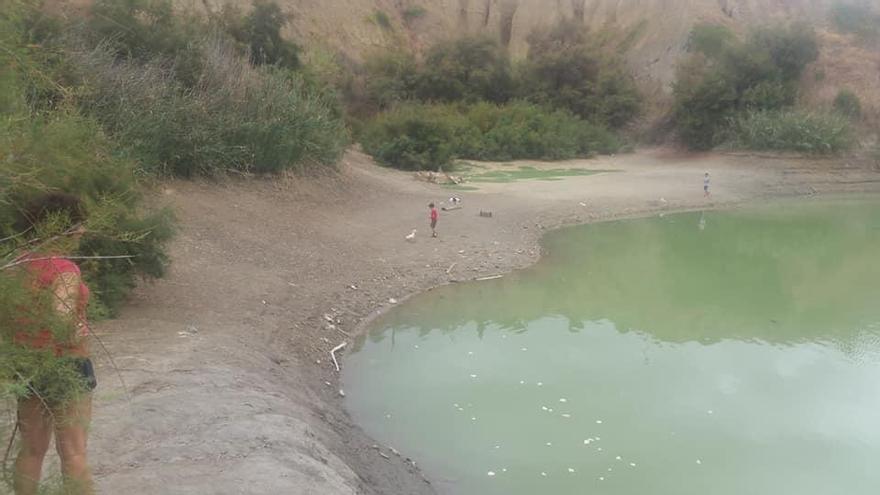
x=790, y=130
x=428, y=137
x=731, y=90
x=558, y=103
x=189, y=96
x=848, y=104
x=49, y=144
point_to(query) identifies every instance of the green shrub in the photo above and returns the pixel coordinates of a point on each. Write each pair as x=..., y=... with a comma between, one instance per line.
x=564, y=70
x=712, y=40
x=141, y=29
x=790, y=49
x=857, y=18
x=67, y=152
x=803, y=132
x=468, y=69
x=260, y=31
x=414, y=12
x=427, y=137
x=848, y=104
x=382, y=20
x=701, y=111
x=727, y=77
x=521, y=130
x=411, y=137
x=153, y=31
x=236, y=118
x=391, y=77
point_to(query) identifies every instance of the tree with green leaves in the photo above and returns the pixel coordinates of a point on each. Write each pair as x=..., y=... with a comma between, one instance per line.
x=725, y=76
x=467, y=69
x=261, y=31
x=563, y=69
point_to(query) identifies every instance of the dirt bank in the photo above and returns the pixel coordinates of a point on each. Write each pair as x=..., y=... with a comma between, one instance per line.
x=228, y=383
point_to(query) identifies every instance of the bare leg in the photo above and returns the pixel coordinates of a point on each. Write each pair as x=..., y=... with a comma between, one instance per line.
x=71, y=437
x=35, y=423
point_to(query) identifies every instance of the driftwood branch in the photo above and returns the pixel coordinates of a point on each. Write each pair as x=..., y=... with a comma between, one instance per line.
x=333, y=354
x=28, y=260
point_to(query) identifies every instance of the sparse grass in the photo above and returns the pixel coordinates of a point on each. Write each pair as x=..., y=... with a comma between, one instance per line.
x=856, y=18
x=632, y=36
x=382, y=20
x=525, y=172
x=460, y=187
x=414, y=12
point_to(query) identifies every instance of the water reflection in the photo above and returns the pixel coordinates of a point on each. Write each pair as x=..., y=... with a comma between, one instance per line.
x=792, y=274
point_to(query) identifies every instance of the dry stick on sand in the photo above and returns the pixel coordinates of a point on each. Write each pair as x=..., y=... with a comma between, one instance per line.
x=333, y=354
x=28, y=260
x=449, y=270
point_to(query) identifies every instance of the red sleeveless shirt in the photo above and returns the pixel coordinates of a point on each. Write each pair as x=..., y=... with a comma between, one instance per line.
x=44, y=271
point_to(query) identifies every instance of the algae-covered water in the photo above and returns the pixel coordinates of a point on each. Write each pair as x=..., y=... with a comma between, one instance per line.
x=703, y=353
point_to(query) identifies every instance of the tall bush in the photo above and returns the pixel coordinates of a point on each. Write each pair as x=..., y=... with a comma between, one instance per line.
x=466, y=69
x=54, y=148
x=412, y=137
x=848, y=104
x=725, y=77
x=236, y=118
x=789, y=130
x=565, y=70
x=428, y=137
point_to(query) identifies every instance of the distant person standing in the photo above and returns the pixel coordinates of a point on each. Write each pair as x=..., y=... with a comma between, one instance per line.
x=706, y=185
x=434, y=216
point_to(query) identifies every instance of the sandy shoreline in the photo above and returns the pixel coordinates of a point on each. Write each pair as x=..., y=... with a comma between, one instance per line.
x=227, y=362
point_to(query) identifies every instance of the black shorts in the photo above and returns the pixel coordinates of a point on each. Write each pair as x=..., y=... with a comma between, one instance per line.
x=73, y=376
x=87, y=370
x=433, y=223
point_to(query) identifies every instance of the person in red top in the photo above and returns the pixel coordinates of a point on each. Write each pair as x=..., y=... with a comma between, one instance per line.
x=54, y=330
x=434, y=216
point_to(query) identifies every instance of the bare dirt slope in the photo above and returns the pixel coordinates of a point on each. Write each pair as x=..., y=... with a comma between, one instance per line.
x=228, y=386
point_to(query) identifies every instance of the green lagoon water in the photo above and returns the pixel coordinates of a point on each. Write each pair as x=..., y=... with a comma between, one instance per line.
x=723, y=353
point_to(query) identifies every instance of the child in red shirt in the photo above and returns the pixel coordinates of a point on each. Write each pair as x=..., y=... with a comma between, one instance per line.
x=434, y=216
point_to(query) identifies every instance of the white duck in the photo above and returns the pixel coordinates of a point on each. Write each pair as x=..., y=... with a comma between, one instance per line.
x=411, y=237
